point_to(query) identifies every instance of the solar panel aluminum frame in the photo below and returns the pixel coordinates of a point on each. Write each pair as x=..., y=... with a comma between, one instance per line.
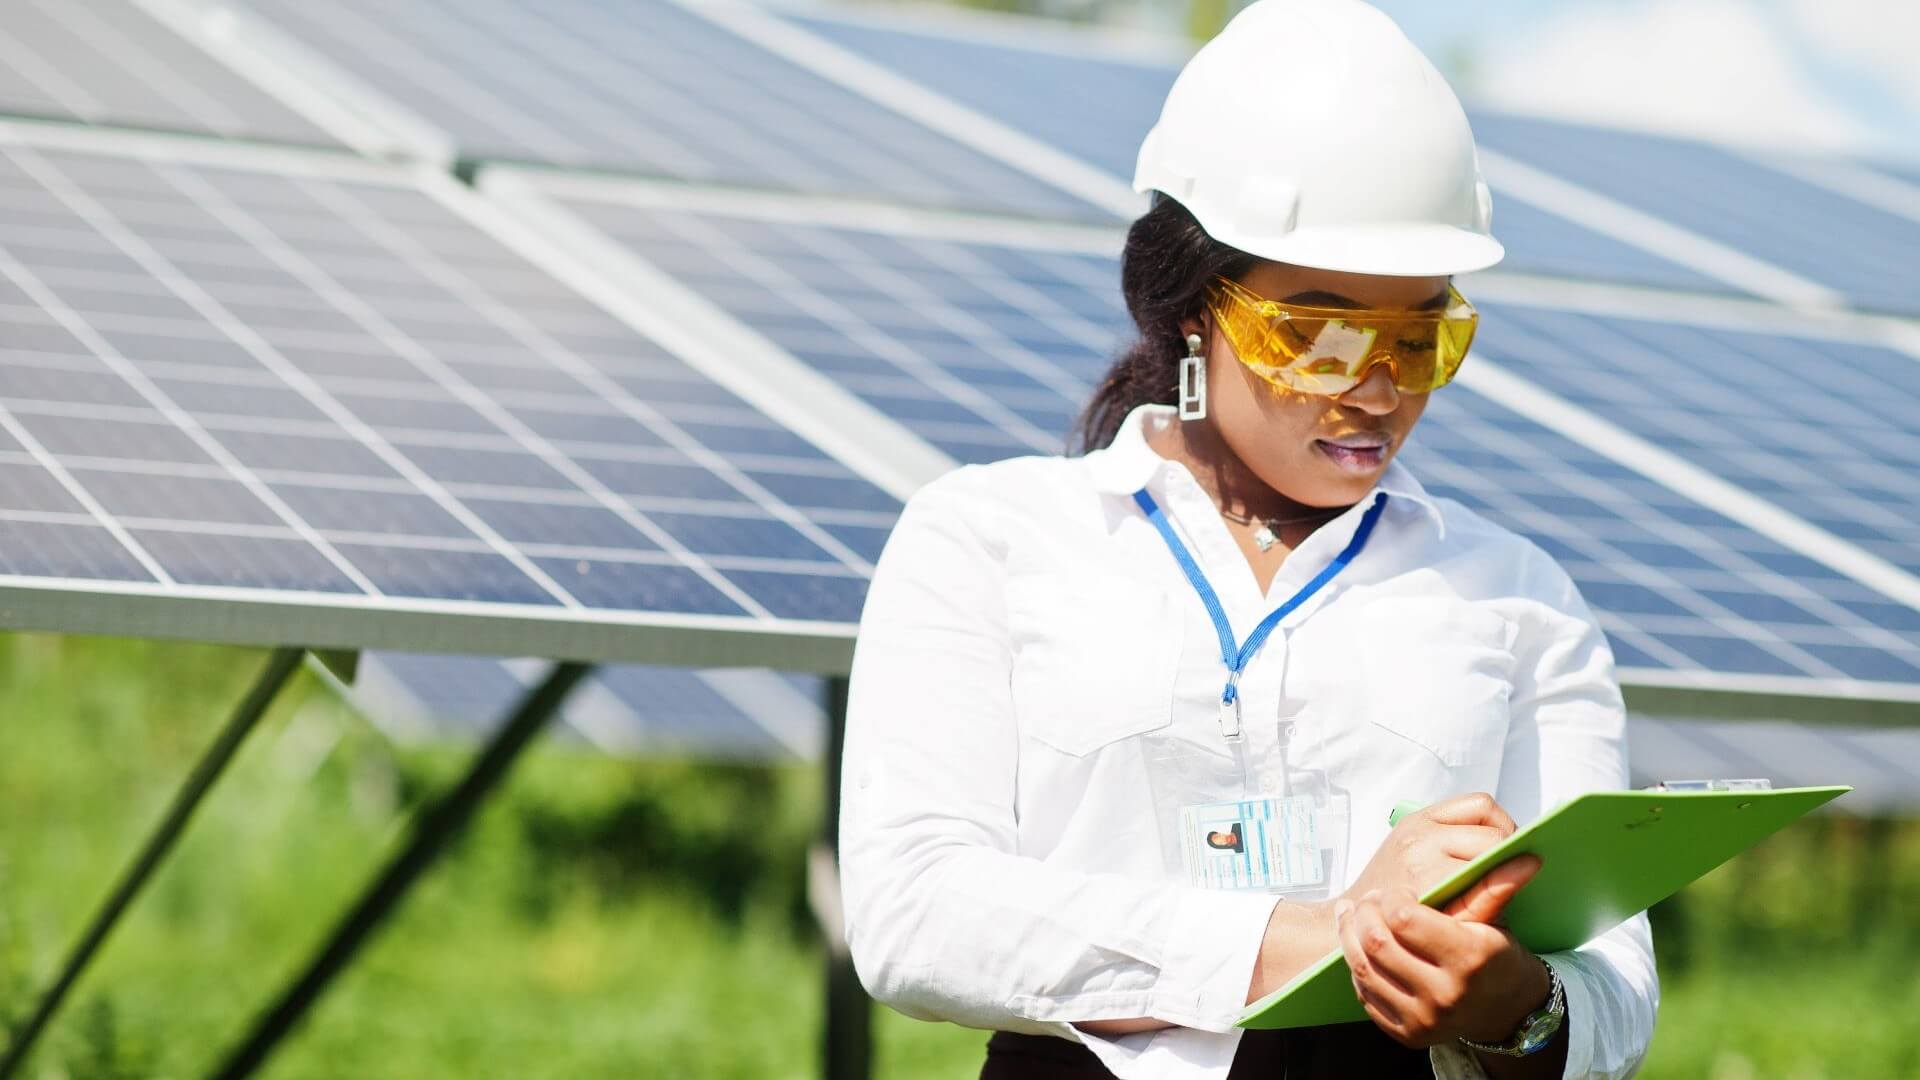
x=128, y=53
x=542, y=196
x=306, y=81
x=787, y=720
x=268, y=617
x=936, y=112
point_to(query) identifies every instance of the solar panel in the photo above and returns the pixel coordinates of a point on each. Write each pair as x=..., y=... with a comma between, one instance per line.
x=1100, y=103
x=986, y=349
x=1862, y=251
x=326, y=391
x=1821, y=425
x=749, y=715
x=1677, y=586
x=649, y=87
x=109, y=62
x=1881, y=764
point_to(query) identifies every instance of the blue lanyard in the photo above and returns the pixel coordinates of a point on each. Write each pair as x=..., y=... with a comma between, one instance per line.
x=1236, y=657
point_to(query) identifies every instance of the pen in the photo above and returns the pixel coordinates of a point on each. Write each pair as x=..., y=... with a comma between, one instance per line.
x=1401, y=809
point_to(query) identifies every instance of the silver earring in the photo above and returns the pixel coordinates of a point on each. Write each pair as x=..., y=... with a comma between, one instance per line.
x=1193, y=381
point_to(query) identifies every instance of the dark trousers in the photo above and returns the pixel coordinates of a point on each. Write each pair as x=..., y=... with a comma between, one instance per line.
x=1317, y=1053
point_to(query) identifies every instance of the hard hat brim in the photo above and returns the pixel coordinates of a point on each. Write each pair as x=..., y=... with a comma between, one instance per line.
x=1411, y=250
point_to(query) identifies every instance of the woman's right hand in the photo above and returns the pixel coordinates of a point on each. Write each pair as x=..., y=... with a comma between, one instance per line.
x=1429, y=845
x=1423, y=850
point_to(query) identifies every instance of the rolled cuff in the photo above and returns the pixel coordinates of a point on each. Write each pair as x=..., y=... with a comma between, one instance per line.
x=1206, y=969
x=1580, y=1016
x=1210, y=954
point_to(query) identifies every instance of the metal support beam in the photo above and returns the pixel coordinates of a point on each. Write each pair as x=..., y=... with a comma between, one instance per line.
x=279, y=668
x=433, y=828
x=849, y=1013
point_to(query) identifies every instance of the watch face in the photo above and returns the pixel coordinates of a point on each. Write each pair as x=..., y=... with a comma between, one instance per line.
x=1539, y=1032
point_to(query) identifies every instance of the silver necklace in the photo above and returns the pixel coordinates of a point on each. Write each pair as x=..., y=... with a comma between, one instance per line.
x=1269, y=533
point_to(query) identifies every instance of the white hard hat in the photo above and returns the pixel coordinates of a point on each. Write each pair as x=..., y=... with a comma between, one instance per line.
x=1313, y=132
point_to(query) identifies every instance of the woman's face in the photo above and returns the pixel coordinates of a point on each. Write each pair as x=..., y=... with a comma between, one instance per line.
x=1313, y=449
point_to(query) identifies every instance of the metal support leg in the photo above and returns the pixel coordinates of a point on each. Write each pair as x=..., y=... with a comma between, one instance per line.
x=280, y=667
x=432, y=829
x=849, y=1012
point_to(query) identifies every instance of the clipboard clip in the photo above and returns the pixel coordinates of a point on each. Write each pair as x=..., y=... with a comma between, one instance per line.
x=1754, y=784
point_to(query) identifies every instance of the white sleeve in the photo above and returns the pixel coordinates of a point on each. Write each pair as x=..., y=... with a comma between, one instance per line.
x=1567, y=736
x=946, y=918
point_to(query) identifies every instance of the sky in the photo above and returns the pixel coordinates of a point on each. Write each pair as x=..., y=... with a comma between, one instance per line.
x=1825, y=76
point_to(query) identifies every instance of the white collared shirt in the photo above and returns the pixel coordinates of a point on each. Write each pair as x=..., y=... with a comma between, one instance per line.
x=1000, y=854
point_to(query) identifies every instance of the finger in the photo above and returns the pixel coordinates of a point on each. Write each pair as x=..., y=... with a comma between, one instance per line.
x=1358, y=967
x=1477, y=808
x=1485, y=899
x=1468, y=842
x=1382, y=1015
x=1384, y=963
x=1452, y=948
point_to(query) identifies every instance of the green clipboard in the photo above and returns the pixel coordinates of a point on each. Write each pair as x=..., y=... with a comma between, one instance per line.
x=1605, y=856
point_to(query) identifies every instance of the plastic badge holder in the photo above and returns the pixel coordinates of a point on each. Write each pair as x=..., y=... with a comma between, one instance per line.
x=1188, y=776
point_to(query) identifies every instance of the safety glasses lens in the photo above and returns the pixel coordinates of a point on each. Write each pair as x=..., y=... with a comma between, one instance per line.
x=1329, y=351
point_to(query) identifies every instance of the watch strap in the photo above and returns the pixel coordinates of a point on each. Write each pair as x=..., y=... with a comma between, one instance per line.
x=1516, y=1045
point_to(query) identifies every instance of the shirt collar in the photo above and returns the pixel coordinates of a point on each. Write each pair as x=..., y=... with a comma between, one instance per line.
x=1128, y=463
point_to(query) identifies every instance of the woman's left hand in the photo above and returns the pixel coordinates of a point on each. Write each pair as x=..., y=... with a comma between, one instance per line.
x=1426, y=976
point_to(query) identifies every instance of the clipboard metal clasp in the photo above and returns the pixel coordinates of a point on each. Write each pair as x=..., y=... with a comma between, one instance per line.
x=1754, y=784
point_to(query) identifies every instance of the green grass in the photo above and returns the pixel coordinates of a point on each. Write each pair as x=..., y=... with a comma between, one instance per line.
x=618, y=918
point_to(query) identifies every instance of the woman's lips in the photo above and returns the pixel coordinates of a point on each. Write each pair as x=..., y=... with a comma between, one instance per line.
x=1355, y=453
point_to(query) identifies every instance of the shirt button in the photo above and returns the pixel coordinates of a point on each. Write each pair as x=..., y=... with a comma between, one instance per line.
x=864, y=780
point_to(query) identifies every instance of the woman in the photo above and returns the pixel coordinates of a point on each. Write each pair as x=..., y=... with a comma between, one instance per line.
x=1121, y=725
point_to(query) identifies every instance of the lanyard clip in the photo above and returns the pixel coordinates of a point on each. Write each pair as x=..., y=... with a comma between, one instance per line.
x=1230, y=707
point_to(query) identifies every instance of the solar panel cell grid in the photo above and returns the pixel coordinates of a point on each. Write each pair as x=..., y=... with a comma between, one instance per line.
x=1680, y=587
x=102, y=62
x=1539, y=242
x=1005, y=81
x=313, y=427
x=1675, y=588
x=647, y=87
x=731, y=714
x=1845, y=244
x=1099, y=108
x=936, y=334
x=1823, y=428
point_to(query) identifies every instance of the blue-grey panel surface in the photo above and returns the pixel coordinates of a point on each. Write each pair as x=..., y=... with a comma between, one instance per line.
x=649, y=87
x=336, y=384
x=1881, y=765
x=1676, y=585
x=984, y=351
x=1539, y=242
x=108, y=62
x=624, y=709
x=1864, y=252
x=1098, y=108
x=1827, y=429
x=987, y=351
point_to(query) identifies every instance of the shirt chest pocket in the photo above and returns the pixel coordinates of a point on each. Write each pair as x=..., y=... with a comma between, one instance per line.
x=1093, y=662
x=1440, y=673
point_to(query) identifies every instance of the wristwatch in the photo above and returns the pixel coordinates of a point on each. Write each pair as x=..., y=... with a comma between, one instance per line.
x=1537, y=1030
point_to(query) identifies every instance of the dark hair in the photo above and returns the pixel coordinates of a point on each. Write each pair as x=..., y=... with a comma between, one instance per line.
x=1164, y=270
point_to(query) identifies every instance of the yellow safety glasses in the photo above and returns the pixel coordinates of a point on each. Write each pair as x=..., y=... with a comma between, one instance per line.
x=1329, y=350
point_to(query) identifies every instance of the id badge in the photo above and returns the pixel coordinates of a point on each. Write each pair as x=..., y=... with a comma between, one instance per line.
x=1263, y=843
